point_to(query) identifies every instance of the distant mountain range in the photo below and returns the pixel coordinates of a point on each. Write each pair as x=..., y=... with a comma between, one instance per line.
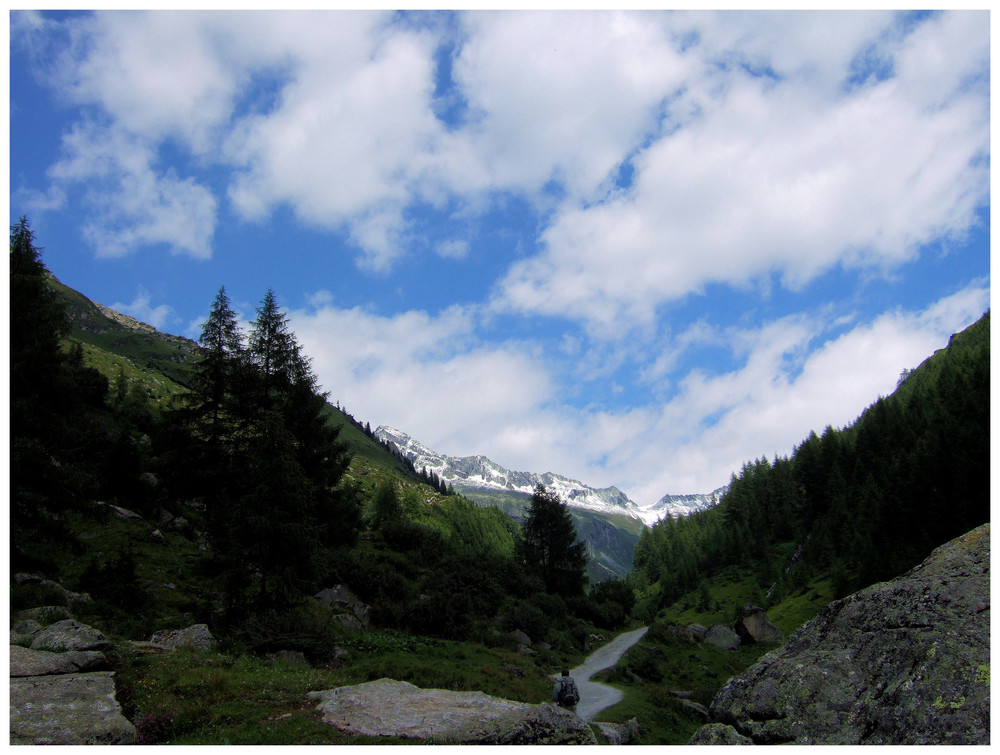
x=478, y=477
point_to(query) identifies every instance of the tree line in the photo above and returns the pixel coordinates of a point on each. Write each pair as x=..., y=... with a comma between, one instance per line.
x=251, y=454
x=861, y=504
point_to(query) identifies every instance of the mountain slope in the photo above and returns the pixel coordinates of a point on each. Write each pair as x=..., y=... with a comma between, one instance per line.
x=477, y=473
x=606, y=520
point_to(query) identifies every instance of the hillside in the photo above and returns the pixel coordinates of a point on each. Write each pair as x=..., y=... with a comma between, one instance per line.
x=116, y=344
x=606, y=520
x=157, y=486
x=852, y=506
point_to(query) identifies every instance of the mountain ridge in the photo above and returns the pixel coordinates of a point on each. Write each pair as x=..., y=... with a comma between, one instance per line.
x=470, y=474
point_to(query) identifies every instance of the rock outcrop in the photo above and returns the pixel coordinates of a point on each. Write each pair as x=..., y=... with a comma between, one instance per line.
x=900, y=662
x=754, y=626
x=389, y=708
x=57, y=695
x=722, y=637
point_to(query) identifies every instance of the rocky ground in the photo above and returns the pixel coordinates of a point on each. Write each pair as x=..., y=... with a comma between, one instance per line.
x=900, y=662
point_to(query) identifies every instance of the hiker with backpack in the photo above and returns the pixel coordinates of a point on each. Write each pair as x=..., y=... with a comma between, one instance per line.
x=565, y=692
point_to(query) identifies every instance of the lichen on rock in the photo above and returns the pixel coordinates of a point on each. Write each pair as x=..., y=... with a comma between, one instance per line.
x=900, y=662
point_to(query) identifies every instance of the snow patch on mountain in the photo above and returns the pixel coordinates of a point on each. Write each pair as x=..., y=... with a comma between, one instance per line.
x=470, y=473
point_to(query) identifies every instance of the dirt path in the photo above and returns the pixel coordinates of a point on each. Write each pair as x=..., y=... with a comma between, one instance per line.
x=594, y=696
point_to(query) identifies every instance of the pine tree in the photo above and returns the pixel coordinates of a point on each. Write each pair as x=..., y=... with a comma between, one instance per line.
x=275, y=353
x=219, y=371
x=549, y=544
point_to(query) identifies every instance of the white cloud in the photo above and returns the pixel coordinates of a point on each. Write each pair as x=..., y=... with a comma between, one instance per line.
x=142, y=310
x=133, y=204
x=772, y=177
x=456, y=249
x=432, y=377
x=427, y=375
x=562, y=96
x=795, y=379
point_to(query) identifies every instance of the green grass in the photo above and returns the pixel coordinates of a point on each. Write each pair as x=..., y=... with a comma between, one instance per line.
x=801, y=606
x=202, y=697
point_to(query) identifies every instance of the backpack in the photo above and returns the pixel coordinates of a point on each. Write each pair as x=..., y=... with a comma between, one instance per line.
x=567, y=692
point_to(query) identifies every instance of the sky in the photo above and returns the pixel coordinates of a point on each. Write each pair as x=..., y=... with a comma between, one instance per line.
x=632, y=248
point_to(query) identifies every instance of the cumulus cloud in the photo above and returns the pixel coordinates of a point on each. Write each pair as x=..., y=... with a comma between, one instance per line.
x=142, y=309
x=799, y=374
x=775, y=175
x=133, y=203
x=429, y=375
x=432, y=377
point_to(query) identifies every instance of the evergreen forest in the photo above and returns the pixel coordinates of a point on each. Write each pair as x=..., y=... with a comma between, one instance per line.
x=251, y=455
x=859, y=505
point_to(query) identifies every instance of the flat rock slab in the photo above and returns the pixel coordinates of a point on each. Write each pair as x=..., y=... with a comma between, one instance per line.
x=26, y=662
x=72, y=709
x=389, y=708
x=69, y=634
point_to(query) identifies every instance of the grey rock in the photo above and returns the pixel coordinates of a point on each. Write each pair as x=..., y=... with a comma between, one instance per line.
x=398, y=709
x=722, y=637
x=24, y=578
x=696, y=708
x=620, y=734
x=754, y=626
x=521, y=637
x=343, y=598
x=77, y=600
x=290, y=657
x=27, y=662
x=71, y=709
x=123, y=513
x=21, y=640
x=69, y=634
x=44, y=615
x=196, y=636
x=26, y=626
x=697, y=631
x=348, y=620
x=719, y=734
x=900, y=662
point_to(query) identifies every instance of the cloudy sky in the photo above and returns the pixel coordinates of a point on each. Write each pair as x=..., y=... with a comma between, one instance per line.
x=636, y=249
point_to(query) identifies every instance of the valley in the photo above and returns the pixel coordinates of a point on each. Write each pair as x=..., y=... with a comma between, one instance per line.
x=160, y=485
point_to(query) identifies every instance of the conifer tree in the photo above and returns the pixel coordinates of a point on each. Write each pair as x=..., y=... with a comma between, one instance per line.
x=218, y=372
x=549, y=544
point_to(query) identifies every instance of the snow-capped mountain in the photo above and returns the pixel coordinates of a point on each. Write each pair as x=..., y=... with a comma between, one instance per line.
x=471, y=473
x=478, y=473
x=683, y=505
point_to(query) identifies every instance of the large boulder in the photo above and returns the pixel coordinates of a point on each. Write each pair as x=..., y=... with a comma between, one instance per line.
x=754, y=626
x=27, y=662
x=196, y=636
x=69, y=634
x=719, y=734
x=71, y=709
x=389, y=708
x=722, y=637
x=900, y=662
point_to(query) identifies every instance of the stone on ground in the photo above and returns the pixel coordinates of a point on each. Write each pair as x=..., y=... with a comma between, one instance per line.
x=70, y=709
x=389, y=708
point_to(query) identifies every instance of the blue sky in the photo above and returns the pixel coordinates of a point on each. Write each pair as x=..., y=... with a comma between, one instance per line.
x=637, y=249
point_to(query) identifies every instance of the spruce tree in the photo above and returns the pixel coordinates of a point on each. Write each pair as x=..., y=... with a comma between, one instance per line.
x=549, y=544
x=218, y=372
